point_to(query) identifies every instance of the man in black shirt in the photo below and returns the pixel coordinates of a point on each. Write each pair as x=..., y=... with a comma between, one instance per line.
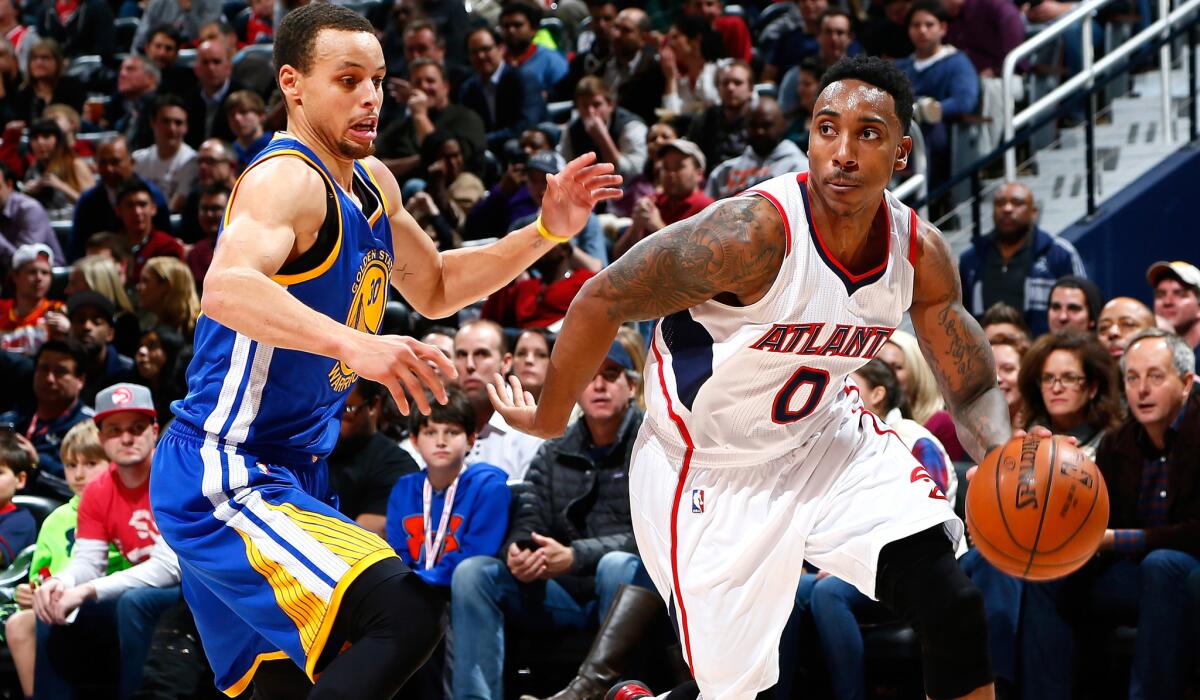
x=365, y=464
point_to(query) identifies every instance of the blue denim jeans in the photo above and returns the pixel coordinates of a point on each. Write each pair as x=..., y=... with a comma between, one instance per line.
x=134, y=615
x=484, y=593
x=1153, y=590
x=834, y=606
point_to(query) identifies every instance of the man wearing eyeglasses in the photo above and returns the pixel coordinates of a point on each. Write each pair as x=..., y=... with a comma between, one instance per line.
x=365, y=463
x=1153, y=544
x=114, y=511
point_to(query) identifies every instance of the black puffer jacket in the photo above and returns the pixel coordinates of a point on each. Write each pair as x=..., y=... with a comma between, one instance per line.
x=580, y=502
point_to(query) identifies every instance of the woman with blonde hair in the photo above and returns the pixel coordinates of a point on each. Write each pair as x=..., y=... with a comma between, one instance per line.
x=902, y=353
x=635, y=344
x=167, y=289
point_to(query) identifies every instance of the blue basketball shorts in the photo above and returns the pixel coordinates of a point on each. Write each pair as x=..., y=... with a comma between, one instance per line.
x=265, y=555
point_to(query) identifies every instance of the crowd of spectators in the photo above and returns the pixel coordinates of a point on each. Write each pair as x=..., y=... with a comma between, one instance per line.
x=126, y=124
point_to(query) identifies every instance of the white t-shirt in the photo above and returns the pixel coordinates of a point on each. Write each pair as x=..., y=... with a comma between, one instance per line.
x=175, y=175
x=505, y=447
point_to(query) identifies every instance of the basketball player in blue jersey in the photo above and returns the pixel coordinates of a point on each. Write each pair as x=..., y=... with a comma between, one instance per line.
x=286, y=590
x=756, y=453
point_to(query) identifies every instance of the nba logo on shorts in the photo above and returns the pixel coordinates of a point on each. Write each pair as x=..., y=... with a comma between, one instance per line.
x=697, y=500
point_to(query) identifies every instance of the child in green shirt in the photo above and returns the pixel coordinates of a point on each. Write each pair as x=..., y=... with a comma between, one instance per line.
x=83, y=459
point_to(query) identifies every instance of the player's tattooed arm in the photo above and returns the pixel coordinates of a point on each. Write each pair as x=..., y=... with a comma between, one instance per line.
x=734, y=247
x=956, y=348
x=731, y=251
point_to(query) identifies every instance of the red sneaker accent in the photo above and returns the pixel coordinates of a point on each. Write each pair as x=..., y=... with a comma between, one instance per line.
x=630, y=690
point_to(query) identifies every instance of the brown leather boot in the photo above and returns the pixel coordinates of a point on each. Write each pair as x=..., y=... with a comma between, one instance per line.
x=633, y=610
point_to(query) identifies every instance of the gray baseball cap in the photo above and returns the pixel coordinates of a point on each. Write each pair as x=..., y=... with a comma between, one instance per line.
x=687, y=148
x=1185, y=272
x=124, y=397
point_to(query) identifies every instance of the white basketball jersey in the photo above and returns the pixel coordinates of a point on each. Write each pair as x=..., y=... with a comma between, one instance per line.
x=737, y=386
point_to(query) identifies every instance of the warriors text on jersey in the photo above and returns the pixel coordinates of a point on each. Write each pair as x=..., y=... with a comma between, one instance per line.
x=741, y=385
x=288, y=401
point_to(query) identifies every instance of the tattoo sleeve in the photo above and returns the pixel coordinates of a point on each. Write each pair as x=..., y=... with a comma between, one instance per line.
x=957, y=350
x=735, y=246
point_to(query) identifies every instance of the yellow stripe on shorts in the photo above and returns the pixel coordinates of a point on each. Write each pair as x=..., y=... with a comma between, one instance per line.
x=303, y=608
x=347, y=541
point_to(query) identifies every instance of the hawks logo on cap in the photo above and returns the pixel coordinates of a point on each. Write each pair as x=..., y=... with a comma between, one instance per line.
x=121, y=396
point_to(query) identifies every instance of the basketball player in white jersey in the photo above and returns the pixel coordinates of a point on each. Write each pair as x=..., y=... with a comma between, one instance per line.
x=756, y=453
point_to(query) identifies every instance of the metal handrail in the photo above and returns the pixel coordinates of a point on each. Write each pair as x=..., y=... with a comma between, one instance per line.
x=914, y=186
x=1085, y=12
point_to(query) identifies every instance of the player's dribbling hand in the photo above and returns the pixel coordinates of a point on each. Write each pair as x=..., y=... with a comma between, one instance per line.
x=46, y=597
x=1036, y=431
x=574, y=192
x=517, y=407
x=399, y=363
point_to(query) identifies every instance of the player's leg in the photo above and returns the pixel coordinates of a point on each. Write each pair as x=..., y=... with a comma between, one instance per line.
x=392, y=620
x=286, y=562
x=883, y=526
x=919, y=579
x=725, y=549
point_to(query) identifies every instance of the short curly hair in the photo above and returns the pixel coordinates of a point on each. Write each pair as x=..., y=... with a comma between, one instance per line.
x=299, y=29
x=881, y=73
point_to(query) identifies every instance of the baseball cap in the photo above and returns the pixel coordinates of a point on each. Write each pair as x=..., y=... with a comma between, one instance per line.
x=687, y=148
x=549, y=162
x=87, y=297
x=1185, y=272
x=618, y=355
x=124, y=397
x=30, y=252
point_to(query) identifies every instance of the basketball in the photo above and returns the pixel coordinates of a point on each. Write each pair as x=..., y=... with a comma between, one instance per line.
x=1037, y=508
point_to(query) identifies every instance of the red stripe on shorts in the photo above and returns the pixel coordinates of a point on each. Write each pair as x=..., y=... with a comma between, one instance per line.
x=687, y=460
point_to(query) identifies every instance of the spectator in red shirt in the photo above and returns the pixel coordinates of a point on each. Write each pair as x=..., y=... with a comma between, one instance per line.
x=136, y=209
x=115, y=509
x=30, y=318
x=733, y=30
x=680, y=173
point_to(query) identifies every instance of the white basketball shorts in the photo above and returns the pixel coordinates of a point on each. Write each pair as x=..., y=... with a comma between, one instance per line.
x=725, y=545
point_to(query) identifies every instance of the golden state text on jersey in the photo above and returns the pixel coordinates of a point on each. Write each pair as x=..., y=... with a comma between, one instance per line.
x=288, y=402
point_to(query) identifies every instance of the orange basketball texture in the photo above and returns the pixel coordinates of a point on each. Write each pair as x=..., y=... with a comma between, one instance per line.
x=1037, y=508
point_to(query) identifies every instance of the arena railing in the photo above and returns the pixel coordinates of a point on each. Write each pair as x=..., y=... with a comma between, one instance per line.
x=1019, y=127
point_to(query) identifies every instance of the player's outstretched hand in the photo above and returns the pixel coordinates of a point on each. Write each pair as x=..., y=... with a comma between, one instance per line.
x=573, y=193
x=517, y=407
x=399, y=363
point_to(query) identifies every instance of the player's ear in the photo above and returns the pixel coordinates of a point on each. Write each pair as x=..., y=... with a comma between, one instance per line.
x=903, y=150
x=289, y=83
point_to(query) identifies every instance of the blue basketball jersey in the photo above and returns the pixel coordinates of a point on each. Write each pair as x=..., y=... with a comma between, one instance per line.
x=286, y=402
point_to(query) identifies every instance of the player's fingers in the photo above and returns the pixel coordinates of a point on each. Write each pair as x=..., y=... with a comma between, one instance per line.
x=577, y=164
x=424, y=372
x=444, y=364
x=529, y=400
x=518, y=392
x=409, y=380
x=605, y=193
x=494, y=397
x=594, y=170
x=501, y=388
x=397, y=394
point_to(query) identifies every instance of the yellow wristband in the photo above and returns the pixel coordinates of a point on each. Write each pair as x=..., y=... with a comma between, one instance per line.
x=545, y=233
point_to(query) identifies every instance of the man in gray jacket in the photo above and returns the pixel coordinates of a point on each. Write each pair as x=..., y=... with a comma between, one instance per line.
x=569, y=546
x=768, y=155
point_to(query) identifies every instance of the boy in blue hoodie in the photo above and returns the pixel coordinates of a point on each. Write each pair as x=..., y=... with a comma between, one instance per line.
x=447, y=512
